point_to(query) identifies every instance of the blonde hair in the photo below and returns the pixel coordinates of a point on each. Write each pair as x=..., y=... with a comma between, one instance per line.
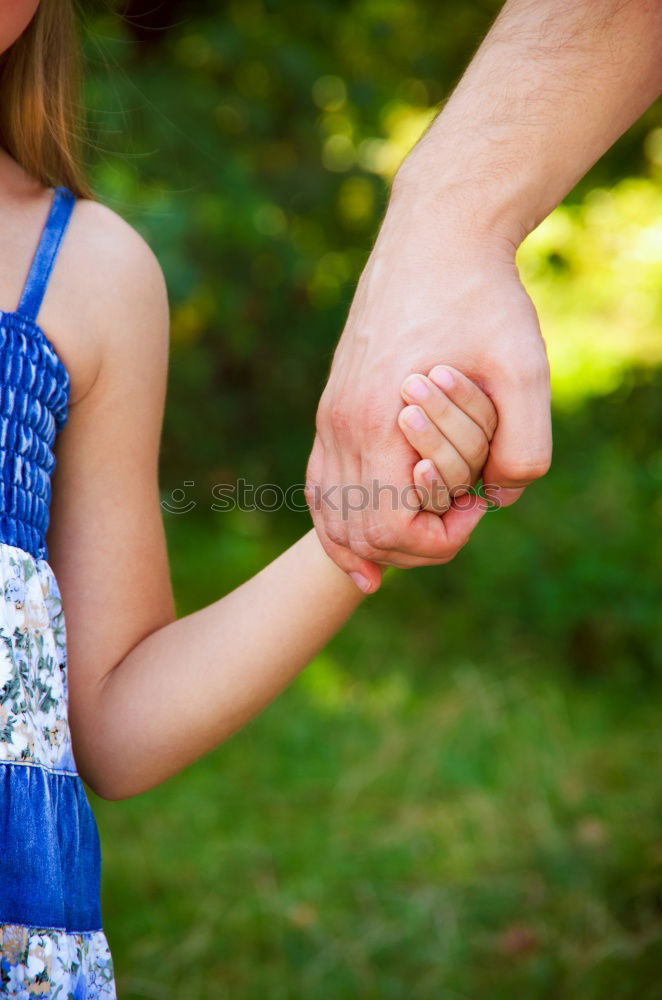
x=40, y=111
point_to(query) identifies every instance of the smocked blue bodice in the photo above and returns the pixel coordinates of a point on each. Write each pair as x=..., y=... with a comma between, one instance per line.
x=34, y=390
x=34, y=394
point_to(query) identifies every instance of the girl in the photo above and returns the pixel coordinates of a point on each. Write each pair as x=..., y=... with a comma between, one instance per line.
x=83, y=357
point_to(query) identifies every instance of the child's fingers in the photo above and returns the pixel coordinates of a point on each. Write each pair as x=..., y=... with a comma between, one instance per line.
x=466, y=394
x=466, y=436
x=426, y=438
x=431, y=488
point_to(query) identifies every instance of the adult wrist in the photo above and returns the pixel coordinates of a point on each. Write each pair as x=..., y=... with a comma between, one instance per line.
x=466, y=187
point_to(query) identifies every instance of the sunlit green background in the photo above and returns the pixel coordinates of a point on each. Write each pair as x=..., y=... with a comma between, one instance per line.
x=461, y=797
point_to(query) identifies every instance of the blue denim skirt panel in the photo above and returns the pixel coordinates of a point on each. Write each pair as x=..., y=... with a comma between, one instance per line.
x=50, y=864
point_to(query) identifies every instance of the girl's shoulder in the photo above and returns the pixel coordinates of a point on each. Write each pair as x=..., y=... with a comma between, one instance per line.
x=105, y=261
x=107, y=296
x=103, y=237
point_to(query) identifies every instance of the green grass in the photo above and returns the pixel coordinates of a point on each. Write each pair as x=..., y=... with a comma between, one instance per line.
x=497, y=838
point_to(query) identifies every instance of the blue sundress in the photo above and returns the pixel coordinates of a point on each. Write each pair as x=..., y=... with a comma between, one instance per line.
x=51, y=939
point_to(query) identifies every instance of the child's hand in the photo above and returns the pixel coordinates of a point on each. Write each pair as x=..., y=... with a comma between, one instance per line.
x=450, y=425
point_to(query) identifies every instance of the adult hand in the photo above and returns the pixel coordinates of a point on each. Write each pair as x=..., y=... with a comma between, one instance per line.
x=437, y=288
x=549, y=90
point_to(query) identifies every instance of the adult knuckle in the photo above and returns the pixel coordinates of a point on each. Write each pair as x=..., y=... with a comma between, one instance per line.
x=517, y=366
x=340, y=418
x=336, y=532
x=362, y=548
x=381, y=535
x=540, y=467
x=527, y=469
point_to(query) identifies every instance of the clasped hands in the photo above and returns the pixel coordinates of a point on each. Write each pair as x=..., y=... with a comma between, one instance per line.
x=449, y=423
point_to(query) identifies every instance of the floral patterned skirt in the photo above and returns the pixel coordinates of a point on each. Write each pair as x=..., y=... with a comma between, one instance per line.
x=52, y=943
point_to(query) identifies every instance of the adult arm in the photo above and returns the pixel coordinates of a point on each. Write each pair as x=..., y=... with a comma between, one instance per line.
x=552, y=86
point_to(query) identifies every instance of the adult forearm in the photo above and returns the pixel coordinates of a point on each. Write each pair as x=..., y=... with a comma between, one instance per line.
x=187, y=687
x=553, y=85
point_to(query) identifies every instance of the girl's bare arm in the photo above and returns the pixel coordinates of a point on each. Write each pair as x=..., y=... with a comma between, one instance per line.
x=148, y=694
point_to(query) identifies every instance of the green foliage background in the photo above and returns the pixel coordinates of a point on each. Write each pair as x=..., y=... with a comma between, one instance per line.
x=459, y=798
